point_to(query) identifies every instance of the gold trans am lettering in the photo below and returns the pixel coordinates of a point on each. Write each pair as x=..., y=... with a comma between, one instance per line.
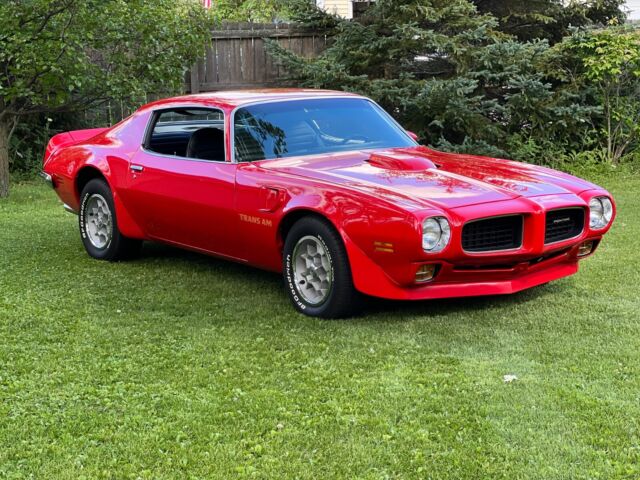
x=265, y=222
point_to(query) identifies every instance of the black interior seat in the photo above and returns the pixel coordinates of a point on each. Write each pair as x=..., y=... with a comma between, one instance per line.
x=207, y=144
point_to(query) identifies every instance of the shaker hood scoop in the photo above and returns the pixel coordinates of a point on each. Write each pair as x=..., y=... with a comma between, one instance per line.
x=400, y=161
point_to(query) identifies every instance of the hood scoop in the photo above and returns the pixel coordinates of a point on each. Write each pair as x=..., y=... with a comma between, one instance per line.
x=400, y=161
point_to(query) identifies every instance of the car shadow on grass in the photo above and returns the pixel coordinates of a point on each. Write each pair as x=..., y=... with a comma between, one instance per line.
x=162, y=254
x=381, y=307
x=375, y=309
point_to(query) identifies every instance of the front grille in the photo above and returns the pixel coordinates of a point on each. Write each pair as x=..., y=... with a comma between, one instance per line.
x=491, y=234
x=564, y=224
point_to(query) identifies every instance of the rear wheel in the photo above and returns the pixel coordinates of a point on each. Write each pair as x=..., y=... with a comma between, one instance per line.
x=99, y=226
x=317, y=271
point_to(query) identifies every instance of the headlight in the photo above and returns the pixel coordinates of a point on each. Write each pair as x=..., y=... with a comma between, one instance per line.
x=600, y=212
x=436, y=233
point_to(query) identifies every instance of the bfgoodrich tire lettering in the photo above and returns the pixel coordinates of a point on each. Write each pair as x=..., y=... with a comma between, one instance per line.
x=316, y=270
x=99, y=226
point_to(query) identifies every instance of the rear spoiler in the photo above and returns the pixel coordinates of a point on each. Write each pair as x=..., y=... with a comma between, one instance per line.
x=66, y=139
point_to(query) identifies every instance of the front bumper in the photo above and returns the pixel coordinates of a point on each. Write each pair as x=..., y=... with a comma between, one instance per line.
x=464, y=281
x=392, y=273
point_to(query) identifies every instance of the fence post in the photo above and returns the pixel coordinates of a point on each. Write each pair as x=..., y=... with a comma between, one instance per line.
x=195, y=79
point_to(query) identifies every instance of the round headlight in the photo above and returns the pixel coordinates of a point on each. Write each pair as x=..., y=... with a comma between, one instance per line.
x=600, y=212
x=436, y=234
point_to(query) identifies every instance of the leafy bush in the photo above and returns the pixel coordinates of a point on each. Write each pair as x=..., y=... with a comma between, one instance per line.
x=453, y=75
x=63, y=55
x=249, y=10
x=549, y=19
x=606, y=62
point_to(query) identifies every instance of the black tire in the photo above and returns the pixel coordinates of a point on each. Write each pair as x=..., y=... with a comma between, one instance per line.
x=117, y=247
x=343, y=299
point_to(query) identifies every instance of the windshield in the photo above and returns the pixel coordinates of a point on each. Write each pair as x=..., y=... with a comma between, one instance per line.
x=316, y=126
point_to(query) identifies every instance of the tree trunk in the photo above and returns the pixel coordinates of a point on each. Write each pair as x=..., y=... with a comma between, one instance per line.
x=4, y=158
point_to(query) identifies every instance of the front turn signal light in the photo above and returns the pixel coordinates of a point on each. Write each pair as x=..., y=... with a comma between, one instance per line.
x=425, y=273
x=585, y=248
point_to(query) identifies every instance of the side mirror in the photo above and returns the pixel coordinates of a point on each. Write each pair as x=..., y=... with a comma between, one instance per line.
x=412, y=135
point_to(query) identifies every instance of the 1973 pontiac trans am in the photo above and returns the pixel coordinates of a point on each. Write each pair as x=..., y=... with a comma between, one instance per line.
x=327, y=188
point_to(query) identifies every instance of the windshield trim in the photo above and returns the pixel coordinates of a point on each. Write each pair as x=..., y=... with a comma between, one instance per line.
x=232, y=130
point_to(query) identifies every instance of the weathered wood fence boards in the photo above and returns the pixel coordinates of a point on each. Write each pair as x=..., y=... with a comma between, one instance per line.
x=237, y=58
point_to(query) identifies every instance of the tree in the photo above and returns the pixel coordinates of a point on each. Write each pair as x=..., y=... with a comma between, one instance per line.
x=59, y=55
x=445, y=71
x=250, y=10
x=525, y=19
x=549, y=19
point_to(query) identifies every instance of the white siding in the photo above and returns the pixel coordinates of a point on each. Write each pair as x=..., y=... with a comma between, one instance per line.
x=342, y=8
x=634, y=9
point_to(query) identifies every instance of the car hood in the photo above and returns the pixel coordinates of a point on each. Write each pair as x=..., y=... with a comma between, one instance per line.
x=421, y=177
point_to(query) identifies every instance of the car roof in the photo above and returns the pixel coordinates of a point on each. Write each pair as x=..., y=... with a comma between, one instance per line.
x=235, y=98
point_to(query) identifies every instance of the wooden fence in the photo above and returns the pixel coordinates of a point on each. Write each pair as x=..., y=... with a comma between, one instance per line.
x=237, y=57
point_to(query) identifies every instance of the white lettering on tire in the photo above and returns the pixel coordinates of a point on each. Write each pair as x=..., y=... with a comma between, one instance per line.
x=292, y=287
x=289, y=275
x=83, y=233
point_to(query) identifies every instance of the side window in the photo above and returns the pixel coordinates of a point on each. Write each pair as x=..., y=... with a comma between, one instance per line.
x=194, y=133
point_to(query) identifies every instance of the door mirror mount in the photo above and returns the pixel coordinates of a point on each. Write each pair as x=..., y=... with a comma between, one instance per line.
x=412, y=135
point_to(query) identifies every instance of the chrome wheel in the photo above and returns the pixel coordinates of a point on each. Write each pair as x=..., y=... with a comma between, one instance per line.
x=312, y=270
x=98, y=221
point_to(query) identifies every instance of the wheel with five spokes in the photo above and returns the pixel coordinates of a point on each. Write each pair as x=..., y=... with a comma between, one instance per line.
x=99, y=227
x=317, y=271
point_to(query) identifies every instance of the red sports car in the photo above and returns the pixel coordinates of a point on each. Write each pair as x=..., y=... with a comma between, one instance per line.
x=327, y=188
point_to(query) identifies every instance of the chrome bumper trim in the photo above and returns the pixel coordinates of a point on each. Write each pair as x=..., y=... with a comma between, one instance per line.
x=46, y=178
x=69, y=209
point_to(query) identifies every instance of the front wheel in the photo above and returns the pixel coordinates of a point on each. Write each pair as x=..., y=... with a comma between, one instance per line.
x=99, y=227
x=317, y=271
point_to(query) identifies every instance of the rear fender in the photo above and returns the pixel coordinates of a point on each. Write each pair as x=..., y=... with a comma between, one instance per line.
x=101, y=167
x=67, y=139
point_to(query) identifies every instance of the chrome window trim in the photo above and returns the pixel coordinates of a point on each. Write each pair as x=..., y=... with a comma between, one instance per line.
x=584, y=210
x=519, y=247
x=296, y=99
x=151, y=122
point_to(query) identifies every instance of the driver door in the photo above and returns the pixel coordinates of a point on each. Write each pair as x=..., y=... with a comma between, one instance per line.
x=182, y=183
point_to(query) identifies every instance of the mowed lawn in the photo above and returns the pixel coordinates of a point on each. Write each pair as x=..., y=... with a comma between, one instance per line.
x=178, y=365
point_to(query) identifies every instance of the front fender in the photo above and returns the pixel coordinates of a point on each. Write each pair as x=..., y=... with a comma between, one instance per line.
x=380, y=239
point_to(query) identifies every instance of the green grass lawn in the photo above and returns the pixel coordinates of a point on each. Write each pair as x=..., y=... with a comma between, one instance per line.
x=177, y=365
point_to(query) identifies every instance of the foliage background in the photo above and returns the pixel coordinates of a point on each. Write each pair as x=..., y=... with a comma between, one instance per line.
x=61, y=61
x=538, y=81
x=543, y=81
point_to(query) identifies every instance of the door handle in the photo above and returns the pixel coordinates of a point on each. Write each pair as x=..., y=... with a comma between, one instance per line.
x=136, y=168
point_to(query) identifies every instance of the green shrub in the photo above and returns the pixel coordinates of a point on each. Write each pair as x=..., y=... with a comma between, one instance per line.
x=607, y=63
x=62, y=55
x=450, y=74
